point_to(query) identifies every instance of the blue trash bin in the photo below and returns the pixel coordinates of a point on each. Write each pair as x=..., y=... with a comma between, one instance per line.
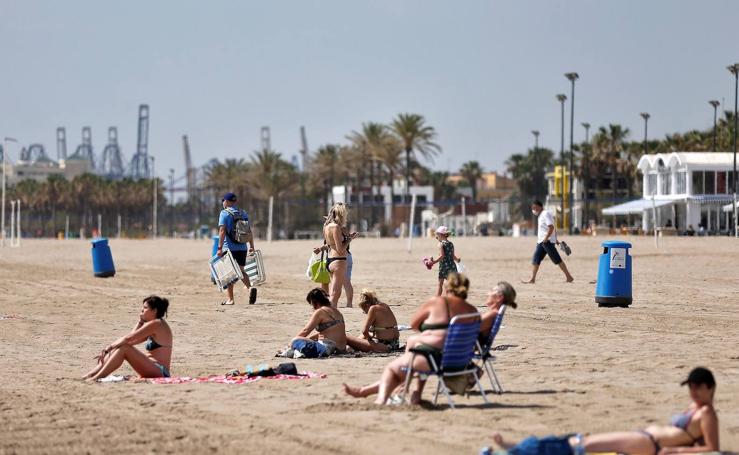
x=102, y=258
x=614, y=275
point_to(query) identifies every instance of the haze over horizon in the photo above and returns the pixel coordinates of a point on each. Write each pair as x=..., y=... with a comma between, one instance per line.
x=484, y=75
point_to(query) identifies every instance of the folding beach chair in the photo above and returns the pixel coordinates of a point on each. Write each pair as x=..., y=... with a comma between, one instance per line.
x=254, y=268
x=225, y=270
x=456, y=356
x=483, y=352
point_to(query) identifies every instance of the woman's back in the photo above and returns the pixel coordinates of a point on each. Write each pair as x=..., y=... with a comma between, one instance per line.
x=331, y=326
x=385, y=324
x=441, y=310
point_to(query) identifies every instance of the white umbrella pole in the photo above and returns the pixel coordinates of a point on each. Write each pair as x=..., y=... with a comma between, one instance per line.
x=410, y=222
x=269, y=222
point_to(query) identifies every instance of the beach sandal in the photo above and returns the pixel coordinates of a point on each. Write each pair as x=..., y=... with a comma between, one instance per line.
x=227, y=302
x=565, y=248
x=252, y=296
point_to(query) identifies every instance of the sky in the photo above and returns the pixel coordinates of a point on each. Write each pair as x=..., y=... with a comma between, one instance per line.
x=482, y=73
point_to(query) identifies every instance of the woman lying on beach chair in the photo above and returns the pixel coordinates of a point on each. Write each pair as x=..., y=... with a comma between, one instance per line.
x=694, y=430
x=151, y=328
x=328, y=323
x=380, y=332
x=431, y=320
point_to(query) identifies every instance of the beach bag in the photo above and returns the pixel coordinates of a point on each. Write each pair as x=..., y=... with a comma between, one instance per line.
x=461, y=268
x=312, y=260
x=241, y=229
x=319, y=271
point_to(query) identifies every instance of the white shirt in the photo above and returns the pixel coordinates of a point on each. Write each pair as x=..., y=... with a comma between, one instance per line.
x=545, y=220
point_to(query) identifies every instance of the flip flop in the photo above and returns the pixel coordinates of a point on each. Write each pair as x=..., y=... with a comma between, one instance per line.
x=252, y=296
x=225, y=302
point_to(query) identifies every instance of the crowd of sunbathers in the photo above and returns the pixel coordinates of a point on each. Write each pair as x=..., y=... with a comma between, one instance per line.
x=693, y=431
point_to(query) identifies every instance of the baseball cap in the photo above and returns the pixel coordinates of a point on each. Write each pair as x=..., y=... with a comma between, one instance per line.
x=229, y=197
x=442, y=230
x=700, y=375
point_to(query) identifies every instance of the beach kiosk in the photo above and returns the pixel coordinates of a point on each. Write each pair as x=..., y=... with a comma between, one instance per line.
x=614, y=275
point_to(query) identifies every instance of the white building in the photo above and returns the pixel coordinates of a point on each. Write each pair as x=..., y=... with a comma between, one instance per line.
x=381, y=196
x=683, y=189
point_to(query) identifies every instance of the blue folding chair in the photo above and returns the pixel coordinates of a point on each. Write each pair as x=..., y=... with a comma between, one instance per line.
x=456, y=356
x=483, y=352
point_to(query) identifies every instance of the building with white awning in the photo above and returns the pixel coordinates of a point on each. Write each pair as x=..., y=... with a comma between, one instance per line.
x=683, y=189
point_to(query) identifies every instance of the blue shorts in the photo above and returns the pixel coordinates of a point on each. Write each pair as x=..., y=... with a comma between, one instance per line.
x=349, y=263
x=543, y=249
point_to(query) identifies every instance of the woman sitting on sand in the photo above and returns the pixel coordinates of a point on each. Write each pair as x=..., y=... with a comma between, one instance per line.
x=327, y=321
x=151, y=328
x=694, y=430
x=432, y=320
x=380, y=332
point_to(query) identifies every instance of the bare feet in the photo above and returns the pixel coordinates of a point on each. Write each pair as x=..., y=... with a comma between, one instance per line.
x=355, y=392
x=498, y=439
x=528, y=281
x=415, y=397
x=570, y=280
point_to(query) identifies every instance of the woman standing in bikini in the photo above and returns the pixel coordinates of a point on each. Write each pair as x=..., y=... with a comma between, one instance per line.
x=336, y=243
x=151, y=328
x=380, y=332
x=694, y=430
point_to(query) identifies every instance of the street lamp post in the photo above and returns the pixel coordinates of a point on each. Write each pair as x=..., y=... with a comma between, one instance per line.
x=536, y=138
x=562, y=98
x=734, y=69
x=715, y=105
x=171, y=202
x=2, y=223
x=572, y=77
x=645, y=116
x=156, y=196
x=585, y=176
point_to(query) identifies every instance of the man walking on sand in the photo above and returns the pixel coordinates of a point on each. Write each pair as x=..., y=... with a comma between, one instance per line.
x=234, y=234
x=546, y=242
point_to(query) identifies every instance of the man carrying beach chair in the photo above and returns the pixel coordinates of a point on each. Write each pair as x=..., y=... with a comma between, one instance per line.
x=234, y=235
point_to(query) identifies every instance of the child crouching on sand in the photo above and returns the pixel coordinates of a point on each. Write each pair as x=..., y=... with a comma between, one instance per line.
x=446, y=257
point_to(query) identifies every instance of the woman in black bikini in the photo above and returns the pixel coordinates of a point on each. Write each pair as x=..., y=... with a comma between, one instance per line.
x=151, y=328
x=336, y=243
x=432, y=320
x=327, y=321
x=693, y=431
x=380, y=332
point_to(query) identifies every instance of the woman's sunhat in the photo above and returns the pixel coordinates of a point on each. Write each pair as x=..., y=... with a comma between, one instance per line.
x=442, y=230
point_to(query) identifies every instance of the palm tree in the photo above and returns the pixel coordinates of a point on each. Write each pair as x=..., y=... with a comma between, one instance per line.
x=472, y=172
x=370, y=141
x=416, y=137
x=529, y=171
x=323, y=167
x=608, y=146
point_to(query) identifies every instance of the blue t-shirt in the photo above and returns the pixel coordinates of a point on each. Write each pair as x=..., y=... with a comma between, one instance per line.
x=225, y=219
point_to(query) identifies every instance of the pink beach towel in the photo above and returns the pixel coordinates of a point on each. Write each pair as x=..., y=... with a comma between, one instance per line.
x=222, y=379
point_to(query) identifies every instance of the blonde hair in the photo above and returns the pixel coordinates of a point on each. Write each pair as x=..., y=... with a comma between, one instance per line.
x=458, y=284
x=509, y=294
x=337, y=214
x=368, y=298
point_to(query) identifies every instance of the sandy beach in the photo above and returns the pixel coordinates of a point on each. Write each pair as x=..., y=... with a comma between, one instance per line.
x=567, y=366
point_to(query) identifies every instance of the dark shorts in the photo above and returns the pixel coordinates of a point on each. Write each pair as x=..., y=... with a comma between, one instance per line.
x=239, y=257
x=544, y=248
